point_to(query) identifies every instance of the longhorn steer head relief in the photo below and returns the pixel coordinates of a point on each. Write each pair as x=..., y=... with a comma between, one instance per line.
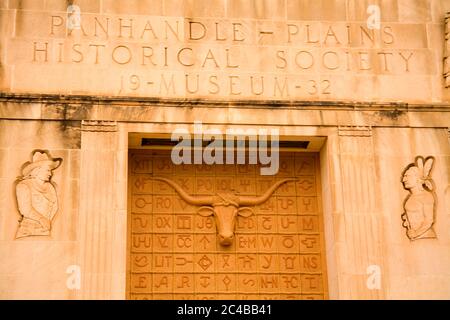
x=224, y=206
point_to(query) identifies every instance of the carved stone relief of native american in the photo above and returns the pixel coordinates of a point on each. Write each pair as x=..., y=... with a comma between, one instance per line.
x=420, y=205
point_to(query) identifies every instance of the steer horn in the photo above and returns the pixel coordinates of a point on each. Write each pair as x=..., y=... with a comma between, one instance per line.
x=196, y=201
x=254, y=201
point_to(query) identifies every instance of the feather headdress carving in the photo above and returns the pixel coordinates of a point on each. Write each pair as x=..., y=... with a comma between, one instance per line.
x=425, y=166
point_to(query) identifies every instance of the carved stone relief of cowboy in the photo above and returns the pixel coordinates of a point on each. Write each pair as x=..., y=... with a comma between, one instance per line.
x=37, y=199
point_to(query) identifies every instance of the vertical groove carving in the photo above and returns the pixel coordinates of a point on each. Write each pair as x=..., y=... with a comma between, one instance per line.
x=361, y=241
x=96, y=213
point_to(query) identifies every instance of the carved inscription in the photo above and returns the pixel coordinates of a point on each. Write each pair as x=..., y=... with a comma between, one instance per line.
x=175, y=253
x=190, y=57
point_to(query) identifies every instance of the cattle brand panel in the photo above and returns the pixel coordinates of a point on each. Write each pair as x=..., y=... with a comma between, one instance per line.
x=224, y=231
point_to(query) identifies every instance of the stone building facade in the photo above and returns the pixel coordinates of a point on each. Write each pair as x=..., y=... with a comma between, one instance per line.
x=93, y=207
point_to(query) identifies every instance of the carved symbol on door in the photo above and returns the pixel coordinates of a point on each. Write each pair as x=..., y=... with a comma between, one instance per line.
x=182, y=261
x=226, y=281
x=226, y=258
x=204, y=240
x=141, y=203
x=309, y=242
x=205, y=281
x=205, y=262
